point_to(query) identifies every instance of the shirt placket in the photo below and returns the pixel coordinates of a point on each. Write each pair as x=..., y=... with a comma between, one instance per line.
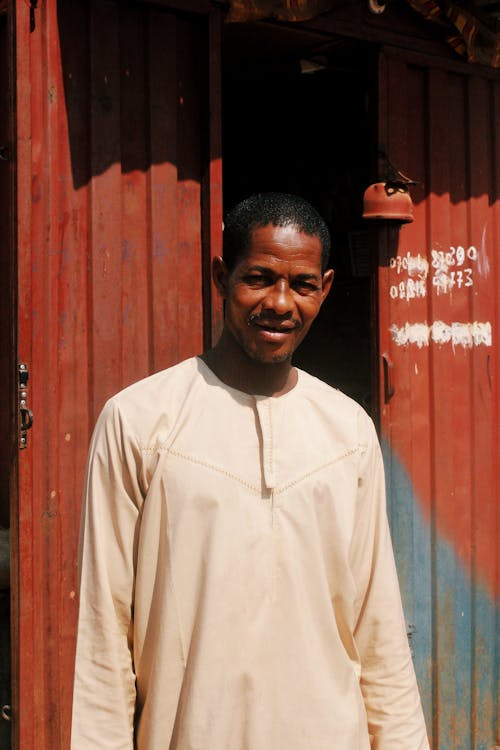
x=266, y=415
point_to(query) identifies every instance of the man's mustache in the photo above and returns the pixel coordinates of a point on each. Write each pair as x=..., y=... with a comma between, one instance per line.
x=266, y=318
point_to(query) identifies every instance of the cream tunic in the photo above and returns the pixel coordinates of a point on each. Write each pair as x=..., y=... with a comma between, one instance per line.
x=238, y=589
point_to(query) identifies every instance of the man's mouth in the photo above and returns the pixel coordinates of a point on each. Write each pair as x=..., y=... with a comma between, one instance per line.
x=275, y=327
x=273, y=331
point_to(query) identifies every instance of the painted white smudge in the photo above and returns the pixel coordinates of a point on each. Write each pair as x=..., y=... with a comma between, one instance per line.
x=413, y=265
x=483, y=264
x=481, y=334
x=411, y=333
x=440, y=332
x=418, y=266
x=465, y=335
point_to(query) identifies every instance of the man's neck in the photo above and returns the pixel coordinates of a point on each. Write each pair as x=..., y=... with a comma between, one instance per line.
x=237, y=370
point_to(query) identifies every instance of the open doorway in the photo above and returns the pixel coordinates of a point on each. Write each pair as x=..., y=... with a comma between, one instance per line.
x=299, y=116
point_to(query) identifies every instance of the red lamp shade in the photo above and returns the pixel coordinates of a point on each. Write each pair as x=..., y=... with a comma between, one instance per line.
x=389, y=201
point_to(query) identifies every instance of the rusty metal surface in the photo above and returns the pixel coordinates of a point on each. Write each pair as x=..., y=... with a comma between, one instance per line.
x=115, y=159
x=438, y=283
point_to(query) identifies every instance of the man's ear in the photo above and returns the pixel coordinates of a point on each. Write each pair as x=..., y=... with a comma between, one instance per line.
x=326, y=283
x=220, y=275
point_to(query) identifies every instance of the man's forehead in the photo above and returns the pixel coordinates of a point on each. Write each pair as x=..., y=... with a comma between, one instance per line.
x=302, y=270
x=284, y=230
x=287, y=244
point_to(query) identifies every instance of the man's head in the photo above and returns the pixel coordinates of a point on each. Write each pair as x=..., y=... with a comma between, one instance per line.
x=272, y=276
x=279, y=210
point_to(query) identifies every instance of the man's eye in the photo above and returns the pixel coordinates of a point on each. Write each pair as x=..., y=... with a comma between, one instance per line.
x=305, y=287
x=256, y=280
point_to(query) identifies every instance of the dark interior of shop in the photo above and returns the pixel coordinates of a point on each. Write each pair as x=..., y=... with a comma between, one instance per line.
x=298, y=116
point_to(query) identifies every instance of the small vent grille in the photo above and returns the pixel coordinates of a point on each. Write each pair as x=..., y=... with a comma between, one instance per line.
x=359, y=255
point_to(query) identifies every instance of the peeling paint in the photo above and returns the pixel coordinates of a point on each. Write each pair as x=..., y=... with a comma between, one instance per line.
x=465, y=335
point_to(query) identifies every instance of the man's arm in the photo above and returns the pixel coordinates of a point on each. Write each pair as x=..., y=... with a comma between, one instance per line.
x=388, y=683
x=104, y=688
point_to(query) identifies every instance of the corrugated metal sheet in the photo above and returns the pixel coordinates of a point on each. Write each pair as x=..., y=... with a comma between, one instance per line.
x=439, y=315
x=119, y=209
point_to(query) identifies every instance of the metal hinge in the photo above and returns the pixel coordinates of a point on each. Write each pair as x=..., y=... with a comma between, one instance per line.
x=25, y=414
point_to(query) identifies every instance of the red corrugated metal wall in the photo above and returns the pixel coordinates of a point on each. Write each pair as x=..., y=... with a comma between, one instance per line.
x=119, y=209
x=439, y=315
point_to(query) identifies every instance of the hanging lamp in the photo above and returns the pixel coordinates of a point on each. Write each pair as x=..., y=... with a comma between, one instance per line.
x=389, y=199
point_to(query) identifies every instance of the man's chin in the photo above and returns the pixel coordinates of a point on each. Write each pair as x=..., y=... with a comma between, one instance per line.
x=269, y=358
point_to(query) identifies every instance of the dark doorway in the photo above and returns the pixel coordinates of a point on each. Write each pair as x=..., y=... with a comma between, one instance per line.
x=299, y=116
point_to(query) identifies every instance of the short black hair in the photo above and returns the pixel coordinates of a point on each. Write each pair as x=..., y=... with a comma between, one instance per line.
x=278, y=209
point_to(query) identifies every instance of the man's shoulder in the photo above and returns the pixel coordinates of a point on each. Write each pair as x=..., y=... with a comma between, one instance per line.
x=336, y=407
x=158, y=384
x=149, y=406
x=327, y=395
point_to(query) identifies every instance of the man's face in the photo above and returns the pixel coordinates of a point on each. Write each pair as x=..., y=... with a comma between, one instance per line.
x=274, y=292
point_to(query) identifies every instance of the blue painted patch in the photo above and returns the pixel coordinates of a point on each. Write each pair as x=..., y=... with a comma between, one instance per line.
x=452, y=624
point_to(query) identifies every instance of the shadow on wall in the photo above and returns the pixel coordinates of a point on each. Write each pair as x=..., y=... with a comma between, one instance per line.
x=133, y=84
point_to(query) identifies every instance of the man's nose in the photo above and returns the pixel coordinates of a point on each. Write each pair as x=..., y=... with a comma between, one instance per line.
x=279, y=298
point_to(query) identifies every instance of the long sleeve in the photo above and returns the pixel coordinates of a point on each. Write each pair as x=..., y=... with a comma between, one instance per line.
x=104, y=688
x=388, y=683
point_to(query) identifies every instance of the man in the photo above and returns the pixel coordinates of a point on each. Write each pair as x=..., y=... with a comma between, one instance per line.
x=238, y=589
